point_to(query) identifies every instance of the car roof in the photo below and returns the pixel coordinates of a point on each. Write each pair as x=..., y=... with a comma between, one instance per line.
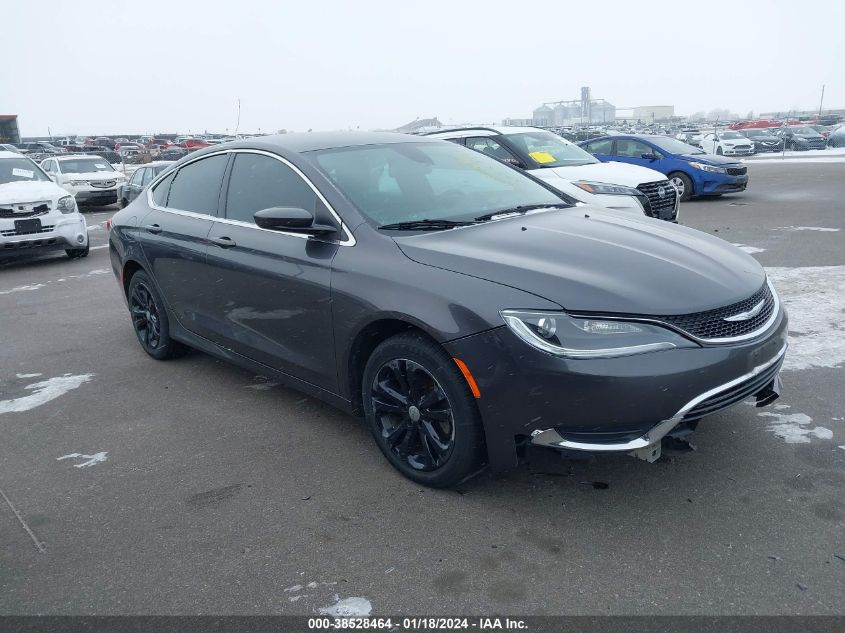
x=482, y=130
x=311, y=141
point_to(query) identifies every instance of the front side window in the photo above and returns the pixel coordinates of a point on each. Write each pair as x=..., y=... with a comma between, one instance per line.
x=401, y=182
x=136, y=177
x=631, y=148
x=196, y=186
x=261, y=182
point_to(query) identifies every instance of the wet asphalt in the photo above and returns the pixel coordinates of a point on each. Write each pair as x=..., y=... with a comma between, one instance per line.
x=222, y=492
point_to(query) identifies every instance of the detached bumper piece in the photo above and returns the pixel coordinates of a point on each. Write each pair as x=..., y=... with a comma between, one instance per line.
x=762, y=381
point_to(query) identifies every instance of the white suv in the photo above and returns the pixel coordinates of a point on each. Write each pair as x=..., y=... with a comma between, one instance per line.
x=572, y=170
x=91, y=179
x=36, y=214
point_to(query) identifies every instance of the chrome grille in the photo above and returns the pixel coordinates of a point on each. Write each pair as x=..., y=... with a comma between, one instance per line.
x=711, y=324
x=102, y=184
x=25, y=209
x=662, y=207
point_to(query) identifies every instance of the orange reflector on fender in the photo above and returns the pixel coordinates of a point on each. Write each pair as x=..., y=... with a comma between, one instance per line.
x=473, y=386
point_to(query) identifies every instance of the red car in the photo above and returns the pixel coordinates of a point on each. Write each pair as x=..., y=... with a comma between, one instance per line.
x=193, y=143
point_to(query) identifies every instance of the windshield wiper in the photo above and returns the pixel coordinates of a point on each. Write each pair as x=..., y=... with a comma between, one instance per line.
x=521, y=210
x=425, y=225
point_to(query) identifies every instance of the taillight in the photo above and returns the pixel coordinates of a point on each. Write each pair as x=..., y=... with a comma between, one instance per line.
x=109, y=224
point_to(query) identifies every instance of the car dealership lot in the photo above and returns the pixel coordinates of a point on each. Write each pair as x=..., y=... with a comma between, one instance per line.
x=201, y=488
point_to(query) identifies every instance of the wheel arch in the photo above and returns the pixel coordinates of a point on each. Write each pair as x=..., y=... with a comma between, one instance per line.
x=365, y=342
x=130, y=267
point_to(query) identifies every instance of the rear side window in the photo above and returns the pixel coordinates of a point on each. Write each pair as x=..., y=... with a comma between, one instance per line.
x=161, y=190
x=260, y=182
x=196, y=186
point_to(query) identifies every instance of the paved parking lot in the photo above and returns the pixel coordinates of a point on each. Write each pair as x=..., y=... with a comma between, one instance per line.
x=133, y=486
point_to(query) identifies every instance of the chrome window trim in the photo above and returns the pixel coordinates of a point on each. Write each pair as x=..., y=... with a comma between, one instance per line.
x=348, y=241
x=719, y=341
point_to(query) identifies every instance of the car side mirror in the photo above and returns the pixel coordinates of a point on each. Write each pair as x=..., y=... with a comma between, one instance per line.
x=292, y=220
x=648, y=156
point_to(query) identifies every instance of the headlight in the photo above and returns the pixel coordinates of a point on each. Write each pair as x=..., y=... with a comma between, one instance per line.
x=710, y=168
x=560, y=334
x=605, y=188
x=67, y=204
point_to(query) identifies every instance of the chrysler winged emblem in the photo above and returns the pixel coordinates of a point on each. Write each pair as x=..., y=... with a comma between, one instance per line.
x=750, y=314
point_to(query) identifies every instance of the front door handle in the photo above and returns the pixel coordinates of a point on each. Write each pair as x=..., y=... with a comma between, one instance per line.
x=153, y=228
x=223, y=242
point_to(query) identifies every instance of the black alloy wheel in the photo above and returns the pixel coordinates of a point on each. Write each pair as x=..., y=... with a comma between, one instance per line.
x=421, y=411
x=414, y=414
x=149, y=319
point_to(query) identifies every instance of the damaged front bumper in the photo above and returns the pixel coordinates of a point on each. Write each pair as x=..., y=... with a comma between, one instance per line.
x=762, y=382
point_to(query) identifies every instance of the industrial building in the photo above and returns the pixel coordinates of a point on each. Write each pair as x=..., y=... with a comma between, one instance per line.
x=9, y=132
x=583, y=111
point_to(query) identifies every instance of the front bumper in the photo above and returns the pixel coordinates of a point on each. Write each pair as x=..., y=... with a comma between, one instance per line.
x=607, y=405
x=709, y=183
x=66, y=232
x=738, y=152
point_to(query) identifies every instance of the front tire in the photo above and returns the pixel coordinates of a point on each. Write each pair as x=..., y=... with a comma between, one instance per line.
x=78, y=253
x=719, y=151
x=149, y=319
x=421, y=412
x=683, y=184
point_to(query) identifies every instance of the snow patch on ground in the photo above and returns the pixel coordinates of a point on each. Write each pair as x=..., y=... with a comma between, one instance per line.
x=821, y=229
x=22, y=288
x=89, y=460
x=44, y=392
x=749, y=249
x=814, y=296
x=27, y=375
x=794, y=428
x=347, y=607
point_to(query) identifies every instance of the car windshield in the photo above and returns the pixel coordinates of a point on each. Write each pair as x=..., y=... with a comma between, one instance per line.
x=730, y=135
x=404, y=182
x=20, y=170
x=550, y=150
x=674, y=146
x=85, y=165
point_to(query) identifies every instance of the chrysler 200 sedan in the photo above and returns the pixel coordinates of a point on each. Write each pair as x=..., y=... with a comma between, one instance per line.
x=463, y=308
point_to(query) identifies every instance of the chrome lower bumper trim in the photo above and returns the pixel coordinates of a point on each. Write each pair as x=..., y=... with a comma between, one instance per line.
x=552, y=439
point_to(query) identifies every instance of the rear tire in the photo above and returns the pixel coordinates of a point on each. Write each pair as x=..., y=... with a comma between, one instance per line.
x=683, y=184
x=421, y=411
x=149, y=319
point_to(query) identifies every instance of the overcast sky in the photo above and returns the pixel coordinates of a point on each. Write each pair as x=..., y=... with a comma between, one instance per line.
x=177, y=66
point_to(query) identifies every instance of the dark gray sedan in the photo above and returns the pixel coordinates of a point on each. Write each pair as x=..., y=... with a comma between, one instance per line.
x=463, y=308
x=139, y=179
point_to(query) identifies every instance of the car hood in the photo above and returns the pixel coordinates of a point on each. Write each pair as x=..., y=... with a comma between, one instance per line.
x=612, y=173
x=707, y=159
x=595, y=260
x=808, y=137
x=19, y=192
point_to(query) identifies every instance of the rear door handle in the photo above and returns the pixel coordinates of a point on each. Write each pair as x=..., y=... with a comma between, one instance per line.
x=153, y=228
x=223, y=242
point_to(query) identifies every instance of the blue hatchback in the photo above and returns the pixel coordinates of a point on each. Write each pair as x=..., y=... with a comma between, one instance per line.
x=692, y=171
